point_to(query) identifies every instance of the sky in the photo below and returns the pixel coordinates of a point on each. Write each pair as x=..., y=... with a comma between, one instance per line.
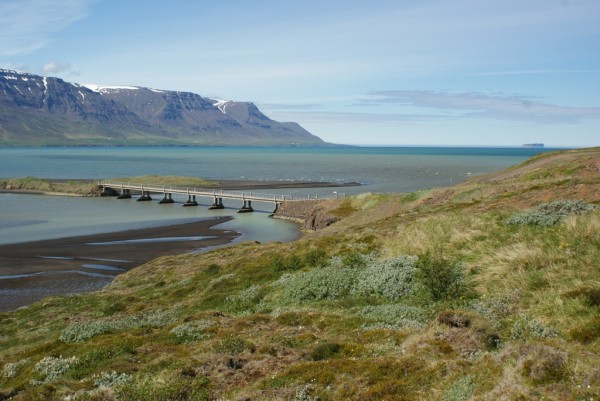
x=401, y=72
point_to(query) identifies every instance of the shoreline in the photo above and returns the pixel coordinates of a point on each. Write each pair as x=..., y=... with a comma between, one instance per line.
x=231, y=185
x=30, y=271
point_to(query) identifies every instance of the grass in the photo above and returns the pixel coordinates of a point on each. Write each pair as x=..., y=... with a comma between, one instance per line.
x=402, y=299
x=169, y=180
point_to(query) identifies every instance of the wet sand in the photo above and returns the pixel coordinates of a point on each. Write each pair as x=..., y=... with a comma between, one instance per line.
x=33, y=270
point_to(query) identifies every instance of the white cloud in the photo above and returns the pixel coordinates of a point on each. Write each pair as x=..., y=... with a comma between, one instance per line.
x=482, y=105
x=28, y=25
x=55, y=68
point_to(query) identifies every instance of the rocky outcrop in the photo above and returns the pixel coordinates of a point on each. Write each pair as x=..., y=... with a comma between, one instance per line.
x=312, y=214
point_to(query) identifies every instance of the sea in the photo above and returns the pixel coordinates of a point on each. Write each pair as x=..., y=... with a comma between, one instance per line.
x=26, y=218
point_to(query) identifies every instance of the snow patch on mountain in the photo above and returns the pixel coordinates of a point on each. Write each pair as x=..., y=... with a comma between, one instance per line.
x=106, y=88
x=222, y=104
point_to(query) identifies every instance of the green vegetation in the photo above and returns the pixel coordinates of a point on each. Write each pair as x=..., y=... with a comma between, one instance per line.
x=32, y=184
x=427, y=296
x=169, y=180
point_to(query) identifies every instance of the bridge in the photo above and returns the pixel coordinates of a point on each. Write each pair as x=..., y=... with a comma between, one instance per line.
x=125, y=190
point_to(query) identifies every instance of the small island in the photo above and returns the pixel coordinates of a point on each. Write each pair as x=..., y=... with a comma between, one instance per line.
x=533, y=145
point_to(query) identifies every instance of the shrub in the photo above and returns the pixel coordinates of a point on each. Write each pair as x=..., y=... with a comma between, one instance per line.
x=111, y=379
x=391, y=278
x=233, y=345
x=324, y=351
x=550, y=213
x=546, y=365
x=82, y=331
x=303, y=394
x=319, y=284
x=192, y=331
x=52, y=368
x=181, y=388
x=10, y=369
x=453, y=319
x=440, y=279
x=393, y=316
x=315, y=258
x=245, y=299
x=460, y=390
x=524, y=328
x=289, y=263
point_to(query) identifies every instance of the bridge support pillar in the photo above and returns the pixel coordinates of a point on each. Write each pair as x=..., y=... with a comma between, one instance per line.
x=217, y=204
x=145, y=197
x=191, y=201
x=125, y=194
x=167, y=198
x=247, y=208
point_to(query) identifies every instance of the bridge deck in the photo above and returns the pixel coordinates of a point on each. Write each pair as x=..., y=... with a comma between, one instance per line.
x=211, y=193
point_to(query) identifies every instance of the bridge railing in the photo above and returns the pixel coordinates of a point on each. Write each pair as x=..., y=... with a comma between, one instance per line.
x=260, y=196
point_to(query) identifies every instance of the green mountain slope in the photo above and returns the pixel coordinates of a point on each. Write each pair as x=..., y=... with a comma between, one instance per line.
x=474, y=292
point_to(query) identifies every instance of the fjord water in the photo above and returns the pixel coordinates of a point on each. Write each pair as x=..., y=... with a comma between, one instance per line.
x=27, y=218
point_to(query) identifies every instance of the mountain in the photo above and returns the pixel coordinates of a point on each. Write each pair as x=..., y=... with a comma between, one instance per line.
x=37, y=110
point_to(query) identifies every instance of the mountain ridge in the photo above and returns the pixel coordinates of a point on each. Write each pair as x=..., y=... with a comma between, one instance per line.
x=44, y=111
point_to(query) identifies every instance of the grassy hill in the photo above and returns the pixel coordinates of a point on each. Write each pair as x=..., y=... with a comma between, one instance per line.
x=488, y=290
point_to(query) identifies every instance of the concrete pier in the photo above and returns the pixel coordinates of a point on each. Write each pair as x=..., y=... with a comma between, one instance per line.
x=125, y=194
x=247, y=208
x=145, y=197
x=217, y=204
x=167, y=198
x=191, y=201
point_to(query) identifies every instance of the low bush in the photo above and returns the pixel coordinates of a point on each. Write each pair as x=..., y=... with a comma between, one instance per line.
x=244, y=300
x=315, y=258
x=391, y=278
x=319, y=284
x=524, y=328
x=453, y=319
x=460, y=390
x=550, y=213
x=392, y=316
x=192, y=331
x=51, y=368
x=324, y=351
x=83, y=330
x=10, y=369
x=181, y=388
x=546, y=365
x=439, y=279
x=234, y=345
x=289, y=263
x=111, y=379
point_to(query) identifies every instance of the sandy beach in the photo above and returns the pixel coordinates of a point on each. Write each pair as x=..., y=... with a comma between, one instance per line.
x=33, y=270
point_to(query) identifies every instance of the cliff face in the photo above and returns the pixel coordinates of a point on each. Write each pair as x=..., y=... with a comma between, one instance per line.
x=37, y=110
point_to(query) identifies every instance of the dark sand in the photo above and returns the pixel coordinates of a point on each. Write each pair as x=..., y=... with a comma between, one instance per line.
x=34, y=270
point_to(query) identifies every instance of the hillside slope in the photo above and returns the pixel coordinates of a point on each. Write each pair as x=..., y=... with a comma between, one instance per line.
x=37, y=110
x=474, y=292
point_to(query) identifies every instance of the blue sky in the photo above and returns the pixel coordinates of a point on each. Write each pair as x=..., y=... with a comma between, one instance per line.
x=403, y=72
